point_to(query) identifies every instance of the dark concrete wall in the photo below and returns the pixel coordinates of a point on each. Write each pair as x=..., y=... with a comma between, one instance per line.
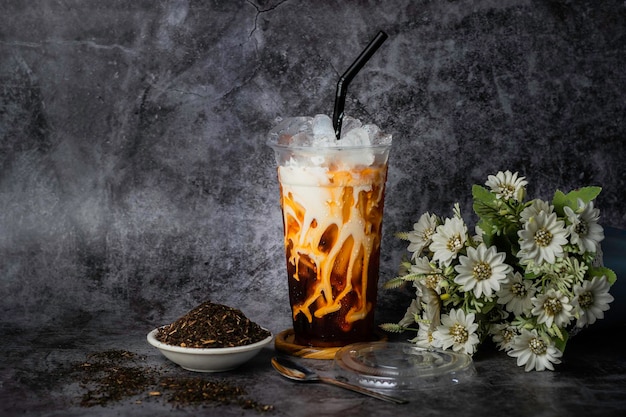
x=134, y=178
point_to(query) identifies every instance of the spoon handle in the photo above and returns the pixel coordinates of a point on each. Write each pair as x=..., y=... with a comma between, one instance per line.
x=362, y=390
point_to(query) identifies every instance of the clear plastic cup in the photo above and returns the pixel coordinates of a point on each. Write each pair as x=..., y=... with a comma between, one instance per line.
x=332, y=201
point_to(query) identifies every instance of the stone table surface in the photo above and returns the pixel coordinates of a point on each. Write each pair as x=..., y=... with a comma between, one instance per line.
x=35, y=381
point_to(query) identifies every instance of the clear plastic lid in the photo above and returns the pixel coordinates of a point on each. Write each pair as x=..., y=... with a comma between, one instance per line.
x=401, y=366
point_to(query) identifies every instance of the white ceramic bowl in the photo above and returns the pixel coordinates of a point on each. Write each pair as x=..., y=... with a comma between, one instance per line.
x=208, y=359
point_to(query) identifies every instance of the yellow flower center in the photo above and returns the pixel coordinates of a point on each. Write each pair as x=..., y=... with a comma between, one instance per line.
x=507, y=335
x=585, y=300
x=433, y=280
x=543, y=237
x=459, y=333
x=482, y=270
x=552, y=306
x=507, y=191
x=519, y=290
x=581, y=228
x=454, y=243
x=537, y=346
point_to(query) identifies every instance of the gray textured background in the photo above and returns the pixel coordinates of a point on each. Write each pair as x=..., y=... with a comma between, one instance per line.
x=134, y=178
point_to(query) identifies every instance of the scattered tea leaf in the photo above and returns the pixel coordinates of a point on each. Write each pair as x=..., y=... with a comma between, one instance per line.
x=113, y=376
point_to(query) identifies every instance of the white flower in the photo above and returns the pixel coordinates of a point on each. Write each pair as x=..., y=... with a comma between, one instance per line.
x=525, y=292
x=536, y=207
x=592, y=298
x=542, y=238
x=478, y=236
x=503, y=335
x=431, y=304
x=422, y=265
x=585, y=230
x=433, y=276
x=516, y=294
x=457, y=331
x=507, y=185
x=552, y=307
x=412, y=313
x=427, y=325
x=535, y=352
x=429, y=320
x=424, y=337
x=482, y=270
x=420, y=236
x=448, y=240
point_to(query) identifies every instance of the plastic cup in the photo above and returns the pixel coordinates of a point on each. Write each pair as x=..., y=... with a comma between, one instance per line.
x=332, y=202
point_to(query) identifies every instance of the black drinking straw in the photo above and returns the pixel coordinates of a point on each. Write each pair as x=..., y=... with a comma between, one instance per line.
x=344, y=80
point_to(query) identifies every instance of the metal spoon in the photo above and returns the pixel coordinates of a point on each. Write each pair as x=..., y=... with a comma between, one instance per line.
x=292, y=370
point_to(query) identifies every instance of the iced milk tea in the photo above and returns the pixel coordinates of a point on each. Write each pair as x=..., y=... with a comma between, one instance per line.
x=332, y=203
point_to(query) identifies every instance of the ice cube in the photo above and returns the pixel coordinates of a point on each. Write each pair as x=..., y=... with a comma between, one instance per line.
x=288, y=127
x=349, y=124
x=372, y=131
x=318, y=131
x=300, y=139
x=355, y=137
x=322, y=127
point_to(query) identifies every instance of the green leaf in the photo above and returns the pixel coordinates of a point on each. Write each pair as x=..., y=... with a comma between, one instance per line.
x=586, y=194
x=481, y=194
x=599, y=271
x=485, y=203
x=487, y=228
x=402, y=235
x=393, y=283
x=531, y=275
x=561, y=200
x=561, y=341
x=392, y=327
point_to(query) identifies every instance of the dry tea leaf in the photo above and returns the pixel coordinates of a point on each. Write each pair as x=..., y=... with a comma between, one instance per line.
x=114, y=376
x=111, y=376
x=211, y=325
x=198, y=390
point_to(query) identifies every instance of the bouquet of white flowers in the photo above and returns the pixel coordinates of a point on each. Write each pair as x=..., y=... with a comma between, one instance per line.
x=531, y=275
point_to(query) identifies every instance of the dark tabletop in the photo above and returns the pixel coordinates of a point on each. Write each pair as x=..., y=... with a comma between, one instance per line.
x=41, y=375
